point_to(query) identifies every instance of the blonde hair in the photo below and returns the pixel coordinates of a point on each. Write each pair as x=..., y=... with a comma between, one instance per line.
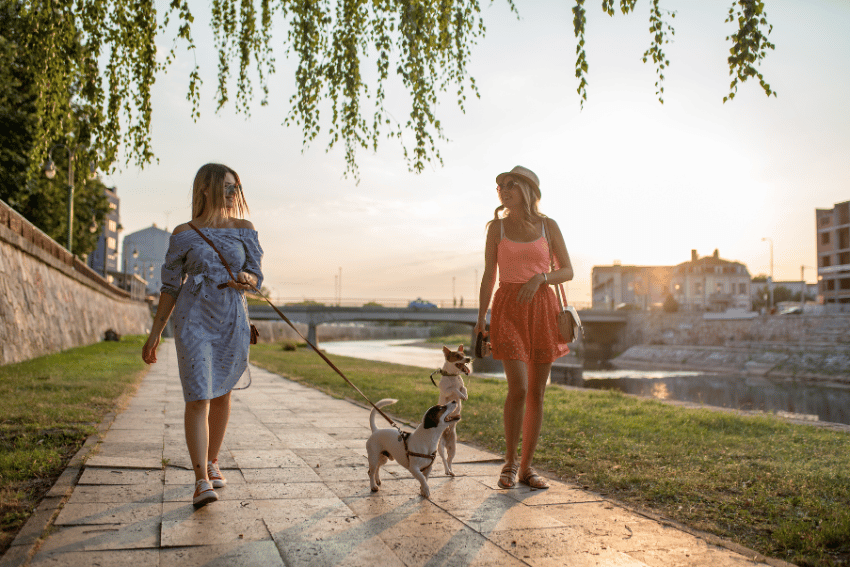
x=211, y=211
x=530, y=210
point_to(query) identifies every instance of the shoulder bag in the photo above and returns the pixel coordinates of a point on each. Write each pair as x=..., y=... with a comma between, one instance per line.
x=255, y=334
x=569, y=323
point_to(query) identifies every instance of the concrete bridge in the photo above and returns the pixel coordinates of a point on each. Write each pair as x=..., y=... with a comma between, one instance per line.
x=600, y=327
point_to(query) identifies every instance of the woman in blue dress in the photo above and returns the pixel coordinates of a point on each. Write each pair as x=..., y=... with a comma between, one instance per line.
x=211, y=326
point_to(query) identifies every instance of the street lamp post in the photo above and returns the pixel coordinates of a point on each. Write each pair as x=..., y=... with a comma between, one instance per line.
x=50, y=173
x=770, y=280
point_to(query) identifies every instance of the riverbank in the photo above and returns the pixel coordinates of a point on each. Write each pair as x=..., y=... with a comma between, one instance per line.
x=778, y=360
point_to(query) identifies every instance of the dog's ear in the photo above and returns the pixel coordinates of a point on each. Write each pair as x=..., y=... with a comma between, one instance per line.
x=446, y=351
x=432, y=417
x=460, y=348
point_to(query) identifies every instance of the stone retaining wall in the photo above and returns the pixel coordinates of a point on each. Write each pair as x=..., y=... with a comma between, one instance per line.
x=674, y=329
x=51, y=301
x=807, y=362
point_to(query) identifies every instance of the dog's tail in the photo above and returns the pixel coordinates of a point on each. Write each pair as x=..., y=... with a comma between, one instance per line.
x=380, y=404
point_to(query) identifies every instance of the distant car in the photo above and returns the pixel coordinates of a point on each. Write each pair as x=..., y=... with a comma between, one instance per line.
x=420, y=303
x=796, y=310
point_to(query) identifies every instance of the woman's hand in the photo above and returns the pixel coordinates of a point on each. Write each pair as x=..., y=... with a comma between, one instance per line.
x=481, y=328
x=244, y=281
x=149, y=350
x=527, y=291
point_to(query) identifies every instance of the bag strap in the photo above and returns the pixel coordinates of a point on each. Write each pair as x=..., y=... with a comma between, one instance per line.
x=559, y=288
x=288, y=322
x=220, y=255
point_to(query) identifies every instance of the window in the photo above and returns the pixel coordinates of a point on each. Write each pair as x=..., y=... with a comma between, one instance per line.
x=113, y=206
x=826, y=261
x=824, y=238
x=719, y=287
x=111, y=244
x=742, y=289
x=844, y=258
x=697, y=288
x=111, y=225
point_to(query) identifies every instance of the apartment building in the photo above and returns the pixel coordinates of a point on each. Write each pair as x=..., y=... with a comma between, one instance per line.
x=144, y=254
x=833, y=246
x=104, y=259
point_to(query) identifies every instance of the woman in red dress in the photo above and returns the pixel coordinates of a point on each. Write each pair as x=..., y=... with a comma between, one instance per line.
x=523, y=328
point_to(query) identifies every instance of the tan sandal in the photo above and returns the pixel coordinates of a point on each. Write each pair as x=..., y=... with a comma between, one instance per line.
x=507, y=479
x=534, y=480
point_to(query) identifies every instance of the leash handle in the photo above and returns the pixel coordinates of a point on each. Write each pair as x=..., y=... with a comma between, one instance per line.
x=325, y=358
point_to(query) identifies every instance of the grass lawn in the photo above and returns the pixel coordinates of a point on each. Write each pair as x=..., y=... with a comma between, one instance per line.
x=49, y=405
x=778, y=488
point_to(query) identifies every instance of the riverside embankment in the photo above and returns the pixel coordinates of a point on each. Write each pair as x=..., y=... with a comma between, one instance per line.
x=801, y=362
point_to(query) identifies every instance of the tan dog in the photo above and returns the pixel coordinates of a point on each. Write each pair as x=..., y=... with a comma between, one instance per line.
x=452, y=389
x=414, y=451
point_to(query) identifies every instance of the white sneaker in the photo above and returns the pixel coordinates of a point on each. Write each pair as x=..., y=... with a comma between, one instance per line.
x=204, y=493
x=216, y=478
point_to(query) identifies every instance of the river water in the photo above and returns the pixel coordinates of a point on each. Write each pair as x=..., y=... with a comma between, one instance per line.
x=814, y=401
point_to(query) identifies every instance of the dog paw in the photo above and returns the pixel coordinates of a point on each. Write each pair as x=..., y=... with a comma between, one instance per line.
x=374, y=489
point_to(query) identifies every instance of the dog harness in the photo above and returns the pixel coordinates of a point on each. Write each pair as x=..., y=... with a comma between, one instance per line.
x=404, y=435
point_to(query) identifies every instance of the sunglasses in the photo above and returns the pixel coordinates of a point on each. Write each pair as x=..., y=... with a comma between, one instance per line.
x=509, y=184
x=231, y=189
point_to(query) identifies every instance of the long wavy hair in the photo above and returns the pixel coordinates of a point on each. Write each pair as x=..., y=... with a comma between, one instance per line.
x=530, y=211
x=213, y=211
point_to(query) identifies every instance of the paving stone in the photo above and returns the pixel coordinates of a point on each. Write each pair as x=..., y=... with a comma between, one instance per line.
x=262, y=553
x=265, y=459
x=139, y=535
x=120, y=476
x=101, y=513
x=217, y=523
x=118, y=493
x=284, y=475
x=98, y=558
x=276, y=491
x=280, y=515
x=333, y=541
x=125, y=462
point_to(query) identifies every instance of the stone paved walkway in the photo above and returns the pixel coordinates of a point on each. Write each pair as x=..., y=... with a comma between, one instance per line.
x=298, y=495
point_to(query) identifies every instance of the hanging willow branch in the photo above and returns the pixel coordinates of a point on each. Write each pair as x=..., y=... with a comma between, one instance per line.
x=749, y=44
x=93, y=64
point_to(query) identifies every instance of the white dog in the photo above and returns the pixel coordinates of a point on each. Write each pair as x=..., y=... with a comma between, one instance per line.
x=452, y=388
x=415, y=451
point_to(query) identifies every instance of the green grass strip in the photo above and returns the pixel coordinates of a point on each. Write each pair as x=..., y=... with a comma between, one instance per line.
x=48, y=407
x=778, y=488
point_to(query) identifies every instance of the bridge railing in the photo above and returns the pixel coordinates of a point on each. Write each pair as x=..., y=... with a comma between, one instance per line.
x=386, y=302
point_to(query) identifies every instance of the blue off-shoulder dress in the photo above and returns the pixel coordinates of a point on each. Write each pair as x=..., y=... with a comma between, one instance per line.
x=211, y=326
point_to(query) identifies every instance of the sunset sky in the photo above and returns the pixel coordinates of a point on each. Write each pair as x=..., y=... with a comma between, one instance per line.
x=626, y=178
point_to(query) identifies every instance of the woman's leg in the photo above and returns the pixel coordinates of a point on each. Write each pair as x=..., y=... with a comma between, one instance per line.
x=218, y=419
x=517, y=376
x=195, y=421
x=538, y=374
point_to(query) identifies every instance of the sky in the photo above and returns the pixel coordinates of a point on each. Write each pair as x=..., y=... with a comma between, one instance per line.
x=627, y=179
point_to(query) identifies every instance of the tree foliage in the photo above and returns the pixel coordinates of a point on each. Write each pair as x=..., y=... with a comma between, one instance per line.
x=99, y=55
x=23, y=186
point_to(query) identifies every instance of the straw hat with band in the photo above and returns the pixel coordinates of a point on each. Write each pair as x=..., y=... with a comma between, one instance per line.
x=525, y=174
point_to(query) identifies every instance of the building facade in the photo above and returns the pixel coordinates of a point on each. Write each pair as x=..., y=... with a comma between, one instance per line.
x=104, y=259
x=702, y=284
x=640, y=287
x=144, y=253
x=711, y=284
x=833, y=246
